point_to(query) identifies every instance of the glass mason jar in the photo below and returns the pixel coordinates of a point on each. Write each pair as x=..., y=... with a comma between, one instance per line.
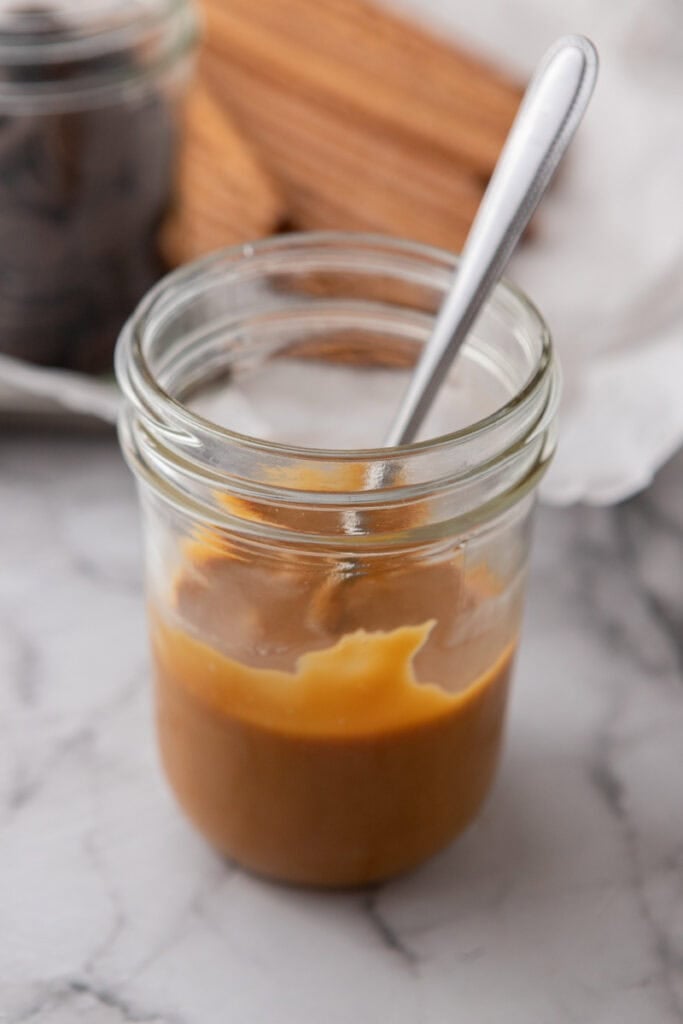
x=88, y=133
x=332, y=657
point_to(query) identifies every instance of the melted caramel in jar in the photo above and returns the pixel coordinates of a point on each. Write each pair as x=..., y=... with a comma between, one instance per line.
x=318, y=760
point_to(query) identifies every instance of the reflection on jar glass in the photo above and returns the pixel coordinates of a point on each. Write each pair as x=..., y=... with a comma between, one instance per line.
x=88, y=134
x=332, y=660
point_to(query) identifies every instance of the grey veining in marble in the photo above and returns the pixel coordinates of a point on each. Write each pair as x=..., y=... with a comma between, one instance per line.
x=563, y=903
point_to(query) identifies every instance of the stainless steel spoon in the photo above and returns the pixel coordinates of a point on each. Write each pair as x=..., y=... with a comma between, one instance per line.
x=550, y=112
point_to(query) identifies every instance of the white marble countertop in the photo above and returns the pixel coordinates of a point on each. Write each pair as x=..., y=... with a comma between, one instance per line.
x=563, y=903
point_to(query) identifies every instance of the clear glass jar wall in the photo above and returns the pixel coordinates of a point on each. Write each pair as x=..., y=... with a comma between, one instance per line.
x=332, y=659
x=88, y=135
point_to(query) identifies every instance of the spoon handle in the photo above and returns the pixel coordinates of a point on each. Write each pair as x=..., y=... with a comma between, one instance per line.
x=549, y=114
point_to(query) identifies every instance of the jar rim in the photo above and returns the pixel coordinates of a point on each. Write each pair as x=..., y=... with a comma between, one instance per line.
x=147, y=391
x=41, y=43
x=459, y=480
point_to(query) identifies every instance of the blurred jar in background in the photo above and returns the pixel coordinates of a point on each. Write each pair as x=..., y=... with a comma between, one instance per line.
x=89, y=129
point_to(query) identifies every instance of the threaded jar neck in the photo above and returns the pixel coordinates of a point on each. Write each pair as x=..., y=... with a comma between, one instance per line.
x=370, y=301
x=62, y=55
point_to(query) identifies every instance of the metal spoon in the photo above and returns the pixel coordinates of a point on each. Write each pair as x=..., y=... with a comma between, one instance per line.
x=551, y=111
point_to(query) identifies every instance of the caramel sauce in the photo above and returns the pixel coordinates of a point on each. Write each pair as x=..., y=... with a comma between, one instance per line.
x=316, y=759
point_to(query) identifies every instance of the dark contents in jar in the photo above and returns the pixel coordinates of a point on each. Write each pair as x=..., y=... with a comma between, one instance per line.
x=82, y=196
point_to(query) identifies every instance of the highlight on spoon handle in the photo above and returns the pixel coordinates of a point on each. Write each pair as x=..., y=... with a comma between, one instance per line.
x=550, y=112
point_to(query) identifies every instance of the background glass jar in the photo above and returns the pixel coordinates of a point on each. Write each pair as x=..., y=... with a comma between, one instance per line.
x=88, y=134
x=332, y=658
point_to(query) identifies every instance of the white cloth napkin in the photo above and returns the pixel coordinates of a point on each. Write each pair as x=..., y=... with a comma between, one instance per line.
x=606, y=263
